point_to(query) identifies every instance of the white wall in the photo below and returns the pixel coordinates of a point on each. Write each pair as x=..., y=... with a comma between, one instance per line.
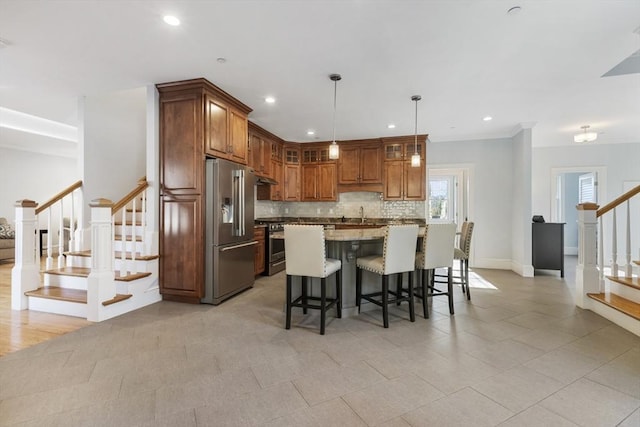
x=491, y=164
x=621, y=163
x=34, y=176
x=113, y=144
x=521, y=204
x=570, y=192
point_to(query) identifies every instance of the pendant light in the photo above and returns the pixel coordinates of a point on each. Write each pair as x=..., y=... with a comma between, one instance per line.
x=334, y=150
x=585, y=136
x=415, y=158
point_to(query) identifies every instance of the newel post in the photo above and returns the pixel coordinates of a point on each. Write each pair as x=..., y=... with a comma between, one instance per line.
x=25, y=274
x=587, y=275
x=100, y=284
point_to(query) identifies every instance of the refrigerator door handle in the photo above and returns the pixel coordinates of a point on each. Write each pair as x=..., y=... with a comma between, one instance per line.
x=242, y=202
x=230, y=248
x=238, y=202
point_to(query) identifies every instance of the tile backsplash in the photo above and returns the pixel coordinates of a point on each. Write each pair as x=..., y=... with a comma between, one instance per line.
x=348, y=205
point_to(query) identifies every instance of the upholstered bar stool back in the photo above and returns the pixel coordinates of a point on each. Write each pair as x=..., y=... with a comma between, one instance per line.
x=438, y=246
x=305, y=252
x=398, y=256
x=462, y=254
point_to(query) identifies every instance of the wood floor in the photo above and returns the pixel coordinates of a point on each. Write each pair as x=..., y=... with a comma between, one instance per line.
x=21, y=329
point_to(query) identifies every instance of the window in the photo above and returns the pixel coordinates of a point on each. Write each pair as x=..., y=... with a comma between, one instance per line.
x=587, y=188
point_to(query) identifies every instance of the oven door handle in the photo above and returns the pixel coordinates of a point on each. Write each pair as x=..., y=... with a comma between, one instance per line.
x=275, y=264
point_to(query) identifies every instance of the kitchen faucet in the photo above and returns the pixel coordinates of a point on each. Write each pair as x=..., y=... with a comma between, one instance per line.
x=361, y=214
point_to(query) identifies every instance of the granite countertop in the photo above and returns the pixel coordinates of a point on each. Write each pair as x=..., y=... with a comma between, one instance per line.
x=343, y=220
x=354, y=234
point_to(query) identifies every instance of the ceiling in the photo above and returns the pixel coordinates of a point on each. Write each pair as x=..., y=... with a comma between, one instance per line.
x=541, y=67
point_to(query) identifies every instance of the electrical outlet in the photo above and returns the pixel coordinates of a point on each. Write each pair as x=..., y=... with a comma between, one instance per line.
x=286, y=210
x=318, y=210
x=330, y=211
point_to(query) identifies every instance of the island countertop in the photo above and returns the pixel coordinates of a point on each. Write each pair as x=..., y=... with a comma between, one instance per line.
x=354, y=234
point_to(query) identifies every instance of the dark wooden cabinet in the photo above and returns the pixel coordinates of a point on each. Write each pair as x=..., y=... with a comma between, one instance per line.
x=547, y=241
x=196, y=119
x=291, y=173
x=360, y=165
x=318, y=174
x=259, y=236
x=401, y=180
x=181, y=247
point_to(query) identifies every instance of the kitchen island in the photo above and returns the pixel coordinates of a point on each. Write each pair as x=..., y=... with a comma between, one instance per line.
x=347, y=245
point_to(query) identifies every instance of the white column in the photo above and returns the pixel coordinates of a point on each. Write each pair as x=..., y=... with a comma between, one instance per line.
x=101, y=284
x=587, y=280
x=25, y=274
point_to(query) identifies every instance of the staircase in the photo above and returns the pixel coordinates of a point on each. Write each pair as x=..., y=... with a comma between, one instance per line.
x=115, y=276
x=611, y=291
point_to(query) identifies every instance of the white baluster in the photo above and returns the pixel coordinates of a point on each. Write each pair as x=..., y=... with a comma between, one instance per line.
x=614, y=249
x=123, y=249
x=134, y=237
x=627, y=266
x=72, y=228
x=143, y=221
x=61, y=236
x=601, y=255
x=49, y=263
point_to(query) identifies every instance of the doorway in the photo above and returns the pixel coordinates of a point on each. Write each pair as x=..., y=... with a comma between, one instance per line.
x=448, y=195
x=571, y=186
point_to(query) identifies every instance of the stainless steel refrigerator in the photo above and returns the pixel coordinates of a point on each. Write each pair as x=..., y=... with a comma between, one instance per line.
x=229, y=245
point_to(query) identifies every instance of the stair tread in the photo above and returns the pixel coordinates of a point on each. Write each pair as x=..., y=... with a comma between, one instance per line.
x=131, y=276
x=632, y=282
x=117, y=298
x=128, y=239
x=118, y=255
x=128, y=222
x=61, y=294
x=623, y=305
x=70, y=271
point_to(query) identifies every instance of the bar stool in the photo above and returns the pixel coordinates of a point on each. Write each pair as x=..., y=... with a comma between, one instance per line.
x=461, y=254
x=306, y=257
x=438, y=247
x=398, y=257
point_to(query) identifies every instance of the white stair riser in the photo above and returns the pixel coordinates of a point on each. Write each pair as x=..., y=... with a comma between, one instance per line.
x=140, y=266
x=627, y=292
x=78, y=261
x=129, y=246
x=58, y=307
x=68, y=282
x=138, y=230
x=137, y=286
x=624, y=321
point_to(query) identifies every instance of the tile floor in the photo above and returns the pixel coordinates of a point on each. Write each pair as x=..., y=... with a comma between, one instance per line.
x=519, y=354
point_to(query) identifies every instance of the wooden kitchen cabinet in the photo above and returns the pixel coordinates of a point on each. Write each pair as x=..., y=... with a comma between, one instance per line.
x=226, y=130
x=259, y=236
x=401, y=180
x=291, y=173
x=360, y=164
x=196, y=119
x=318, y=175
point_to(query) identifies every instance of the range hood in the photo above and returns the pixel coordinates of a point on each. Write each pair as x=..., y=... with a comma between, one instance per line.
x=260, y=180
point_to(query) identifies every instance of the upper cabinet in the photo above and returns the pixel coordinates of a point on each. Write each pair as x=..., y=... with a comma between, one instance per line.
x=318, y=174
x=291, y=173
x=360, y=166
x=401, y=180
x=266, y=158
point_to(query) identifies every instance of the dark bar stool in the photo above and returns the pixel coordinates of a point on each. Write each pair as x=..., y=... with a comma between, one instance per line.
x=306, y=257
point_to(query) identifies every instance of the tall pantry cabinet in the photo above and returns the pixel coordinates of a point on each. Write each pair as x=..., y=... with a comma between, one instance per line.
x=197, y=120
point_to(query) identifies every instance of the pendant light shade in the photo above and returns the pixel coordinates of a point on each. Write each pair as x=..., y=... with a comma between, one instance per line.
x=415, y=158
x=585, y=136
x=334, y=150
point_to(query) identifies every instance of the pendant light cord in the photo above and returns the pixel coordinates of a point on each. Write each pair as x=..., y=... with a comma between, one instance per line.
x=335, y=95
x=415, y=143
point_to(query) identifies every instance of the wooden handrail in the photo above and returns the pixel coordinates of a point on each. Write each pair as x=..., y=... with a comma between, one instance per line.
x=626, y=196
x=142, y=185
x=59, y=196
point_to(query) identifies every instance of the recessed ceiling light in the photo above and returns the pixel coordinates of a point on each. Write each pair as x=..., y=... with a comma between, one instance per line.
x=487, y=118
x=391, y=126
x=311, y=132
x=171, y=20
x=221, y=60
x=269, y=100
x=3, y=43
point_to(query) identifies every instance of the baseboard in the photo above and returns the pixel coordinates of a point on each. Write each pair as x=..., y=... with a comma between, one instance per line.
x=492, y=263
x=570, y=250
x=522, y=269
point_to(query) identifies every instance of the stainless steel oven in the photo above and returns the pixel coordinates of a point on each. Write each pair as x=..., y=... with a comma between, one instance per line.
x=274, y=251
